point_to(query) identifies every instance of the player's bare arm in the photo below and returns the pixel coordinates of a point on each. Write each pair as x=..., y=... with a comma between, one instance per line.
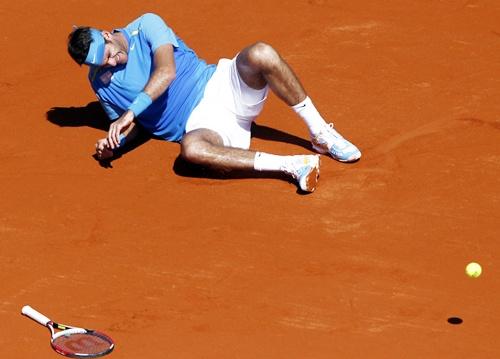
x=163, y=73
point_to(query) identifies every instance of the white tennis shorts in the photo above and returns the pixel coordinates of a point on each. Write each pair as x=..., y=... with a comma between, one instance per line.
x=228, y=107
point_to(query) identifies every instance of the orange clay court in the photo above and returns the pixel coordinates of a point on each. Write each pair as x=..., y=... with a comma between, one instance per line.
x=173, y=264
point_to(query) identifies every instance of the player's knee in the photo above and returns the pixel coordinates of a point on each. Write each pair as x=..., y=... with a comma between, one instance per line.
x=188, y=149
x=263, y=55
x=192, y=148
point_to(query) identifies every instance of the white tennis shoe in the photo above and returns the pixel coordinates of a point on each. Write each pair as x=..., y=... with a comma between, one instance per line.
x=329, y=141
x=305, y=170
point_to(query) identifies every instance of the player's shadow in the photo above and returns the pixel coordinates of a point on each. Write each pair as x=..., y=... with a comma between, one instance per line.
x=272, y=134
x=93, y=116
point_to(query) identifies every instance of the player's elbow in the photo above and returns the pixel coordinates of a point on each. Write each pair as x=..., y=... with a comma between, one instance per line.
x=194, y=149
x=171, y=75
x=167, y=76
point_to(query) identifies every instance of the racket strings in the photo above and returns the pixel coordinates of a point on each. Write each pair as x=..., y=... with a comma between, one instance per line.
x=88, y=344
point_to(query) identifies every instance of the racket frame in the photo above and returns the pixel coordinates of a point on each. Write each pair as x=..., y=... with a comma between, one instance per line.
x=65, y=330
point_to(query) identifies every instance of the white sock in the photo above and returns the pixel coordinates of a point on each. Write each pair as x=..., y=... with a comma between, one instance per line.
x=308, y=112
x=268, y=162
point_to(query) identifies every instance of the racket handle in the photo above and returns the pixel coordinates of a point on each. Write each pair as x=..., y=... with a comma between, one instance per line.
x=36, y=316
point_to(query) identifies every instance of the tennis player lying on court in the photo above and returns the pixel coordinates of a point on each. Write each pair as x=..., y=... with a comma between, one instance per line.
x=145, y=74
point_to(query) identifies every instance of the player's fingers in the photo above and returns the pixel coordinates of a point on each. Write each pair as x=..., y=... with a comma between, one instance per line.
x=116, y=134
x=109, y=139
x=111, y=136
x=120, y=127
x=117, y=138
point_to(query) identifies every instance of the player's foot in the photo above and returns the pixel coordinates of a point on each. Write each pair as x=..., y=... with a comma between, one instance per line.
x=305, y=170
x=330, y=141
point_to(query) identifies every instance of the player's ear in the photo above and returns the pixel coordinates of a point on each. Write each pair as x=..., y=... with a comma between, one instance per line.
x=107, y=35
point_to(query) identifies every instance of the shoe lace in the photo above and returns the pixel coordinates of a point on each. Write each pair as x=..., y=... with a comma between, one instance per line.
x=330, y=129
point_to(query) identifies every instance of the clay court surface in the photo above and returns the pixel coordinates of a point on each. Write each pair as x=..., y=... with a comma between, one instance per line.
x=173, y=264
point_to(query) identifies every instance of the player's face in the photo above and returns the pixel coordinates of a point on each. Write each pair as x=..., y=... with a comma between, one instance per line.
x=114, y=53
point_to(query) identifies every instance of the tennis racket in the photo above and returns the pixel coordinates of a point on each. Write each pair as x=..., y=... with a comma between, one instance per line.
x=71, y=341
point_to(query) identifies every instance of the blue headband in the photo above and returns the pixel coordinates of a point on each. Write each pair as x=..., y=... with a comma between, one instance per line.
x=96, y=49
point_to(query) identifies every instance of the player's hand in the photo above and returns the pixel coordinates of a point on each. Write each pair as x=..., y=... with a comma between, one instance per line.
x=118, y=127
x=103, y=150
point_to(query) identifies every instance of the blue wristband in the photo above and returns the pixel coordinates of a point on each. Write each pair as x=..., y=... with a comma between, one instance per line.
x=123, y=139
x=141, y=102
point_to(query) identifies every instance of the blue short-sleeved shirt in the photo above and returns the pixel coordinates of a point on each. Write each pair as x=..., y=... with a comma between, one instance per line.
x=117, y=87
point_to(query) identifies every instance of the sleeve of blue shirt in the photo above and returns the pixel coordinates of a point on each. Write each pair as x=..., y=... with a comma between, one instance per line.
x=156, y=32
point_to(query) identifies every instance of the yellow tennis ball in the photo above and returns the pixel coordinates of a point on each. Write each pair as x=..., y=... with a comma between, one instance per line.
x=473, y=270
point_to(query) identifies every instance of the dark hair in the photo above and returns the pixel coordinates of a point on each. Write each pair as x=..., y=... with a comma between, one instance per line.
x=79, y=44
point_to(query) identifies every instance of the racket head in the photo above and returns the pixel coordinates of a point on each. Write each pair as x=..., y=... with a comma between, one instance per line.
x=82, y=343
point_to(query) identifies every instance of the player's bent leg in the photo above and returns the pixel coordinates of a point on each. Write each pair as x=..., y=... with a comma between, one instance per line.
x=259, y=64
x=206, y=148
